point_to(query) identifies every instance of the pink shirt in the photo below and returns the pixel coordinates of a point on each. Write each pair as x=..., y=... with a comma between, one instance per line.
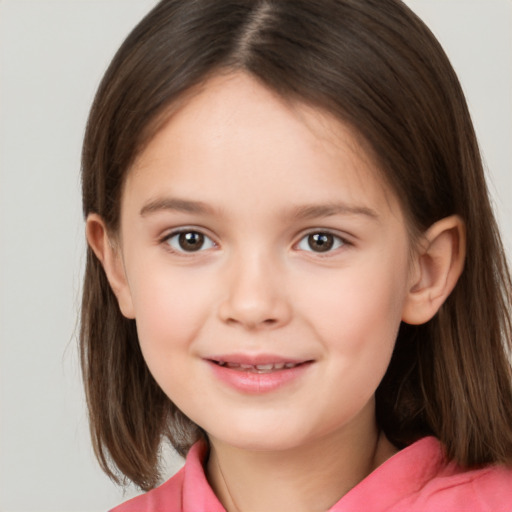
x=416, y=479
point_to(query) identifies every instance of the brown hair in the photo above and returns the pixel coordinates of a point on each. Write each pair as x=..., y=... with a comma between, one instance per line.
x=377, y=67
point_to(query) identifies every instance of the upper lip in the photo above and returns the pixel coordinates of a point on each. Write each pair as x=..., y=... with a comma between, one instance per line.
x=256, y=359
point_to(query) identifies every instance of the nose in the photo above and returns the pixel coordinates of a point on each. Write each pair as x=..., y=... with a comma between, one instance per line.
x=255, y=294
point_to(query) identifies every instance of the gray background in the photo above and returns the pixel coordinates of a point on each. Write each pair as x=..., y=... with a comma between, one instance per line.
x=52, y=55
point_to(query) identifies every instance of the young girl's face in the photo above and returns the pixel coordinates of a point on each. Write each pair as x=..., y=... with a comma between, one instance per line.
x=266, y=265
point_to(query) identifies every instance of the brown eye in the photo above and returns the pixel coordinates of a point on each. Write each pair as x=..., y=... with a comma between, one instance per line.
x=189, y=241
x=320, y=242
x=192, y=241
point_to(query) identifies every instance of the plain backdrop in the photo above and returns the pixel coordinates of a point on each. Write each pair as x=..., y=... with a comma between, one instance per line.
x=52, y=56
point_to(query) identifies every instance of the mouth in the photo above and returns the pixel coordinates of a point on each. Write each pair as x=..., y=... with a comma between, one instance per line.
x=258, y=368
x=258, y=374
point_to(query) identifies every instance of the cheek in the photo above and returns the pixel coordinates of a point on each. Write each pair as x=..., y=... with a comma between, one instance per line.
x=169, y=316
x=170, y=308
x=357, y=307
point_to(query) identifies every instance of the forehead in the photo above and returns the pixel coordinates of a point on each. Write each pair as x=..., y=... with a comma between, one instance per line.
x=235, y=137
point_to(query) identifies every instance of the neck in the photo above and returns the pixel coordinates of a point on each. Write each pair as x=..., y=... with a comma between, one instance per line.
x=309, y=478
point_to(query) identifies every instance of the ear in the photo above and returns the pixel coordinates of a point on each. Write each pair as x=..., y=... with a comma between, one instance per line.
x=438, y=264
x=107, y=251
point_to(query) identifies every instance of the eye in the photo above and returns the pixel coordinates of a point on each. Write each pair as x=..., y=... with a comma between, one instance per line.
x=320, y=242
x=189, y=241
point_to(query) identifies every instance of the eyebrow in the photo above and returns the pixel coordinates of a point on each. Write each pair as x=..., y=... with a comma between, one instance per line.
x=303, y=212
x=314, y=211
x=175, y=204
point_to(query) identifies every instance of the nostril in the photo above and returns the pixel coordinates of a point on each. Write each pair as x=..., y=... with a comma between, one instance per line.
x=253, y=323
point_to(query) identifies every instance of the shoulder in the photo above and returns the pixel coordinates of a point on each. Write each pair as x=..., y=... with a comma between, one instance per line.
x=165, y=498
x=446, y=486
x=481, y=490
x=419, y=479
x=187, y=491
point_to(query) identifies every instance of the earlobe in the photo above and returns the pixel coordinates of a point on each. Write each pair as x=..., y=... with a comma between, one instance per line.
x=439, y=261
x=108, y=253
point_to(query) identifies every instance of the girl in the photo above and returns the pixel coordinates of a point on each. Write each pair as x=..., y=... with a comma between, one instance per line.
x=294, y=273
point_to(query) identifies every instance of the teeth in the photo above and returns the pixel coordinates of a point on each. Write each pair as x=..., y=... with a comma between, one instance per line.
x=260, y=368
x=264, y=366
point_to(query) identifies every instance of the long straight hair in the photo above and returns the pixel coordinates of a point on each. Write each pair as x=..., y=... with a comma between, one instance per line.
x=376, y=67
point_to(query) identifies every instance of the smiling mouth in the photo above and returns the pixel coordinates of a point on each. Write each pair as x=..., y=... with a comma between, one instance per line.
x=258, y=368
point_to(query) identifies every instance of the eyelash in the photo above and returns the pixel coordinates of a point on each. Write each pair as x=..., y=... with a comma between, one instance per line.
x=333, y=241
x=184, y=232
x=337, y=242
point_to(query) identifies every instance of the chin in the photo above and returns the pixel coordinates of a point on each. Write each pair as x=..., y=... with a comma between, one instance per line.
x=263, y=438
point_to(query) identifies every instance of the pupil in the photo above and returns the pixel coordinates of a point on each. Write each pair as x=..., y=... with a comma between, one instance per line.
x=191, y=241
x=321, y=242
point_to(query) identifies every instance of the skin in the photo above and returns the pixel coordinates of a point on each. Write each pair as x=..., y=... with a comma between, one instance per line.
x=256, y=176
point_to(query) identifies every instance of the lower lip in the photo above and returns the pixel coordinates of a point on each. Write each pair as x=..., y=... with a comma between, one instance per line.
x=258, y=383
